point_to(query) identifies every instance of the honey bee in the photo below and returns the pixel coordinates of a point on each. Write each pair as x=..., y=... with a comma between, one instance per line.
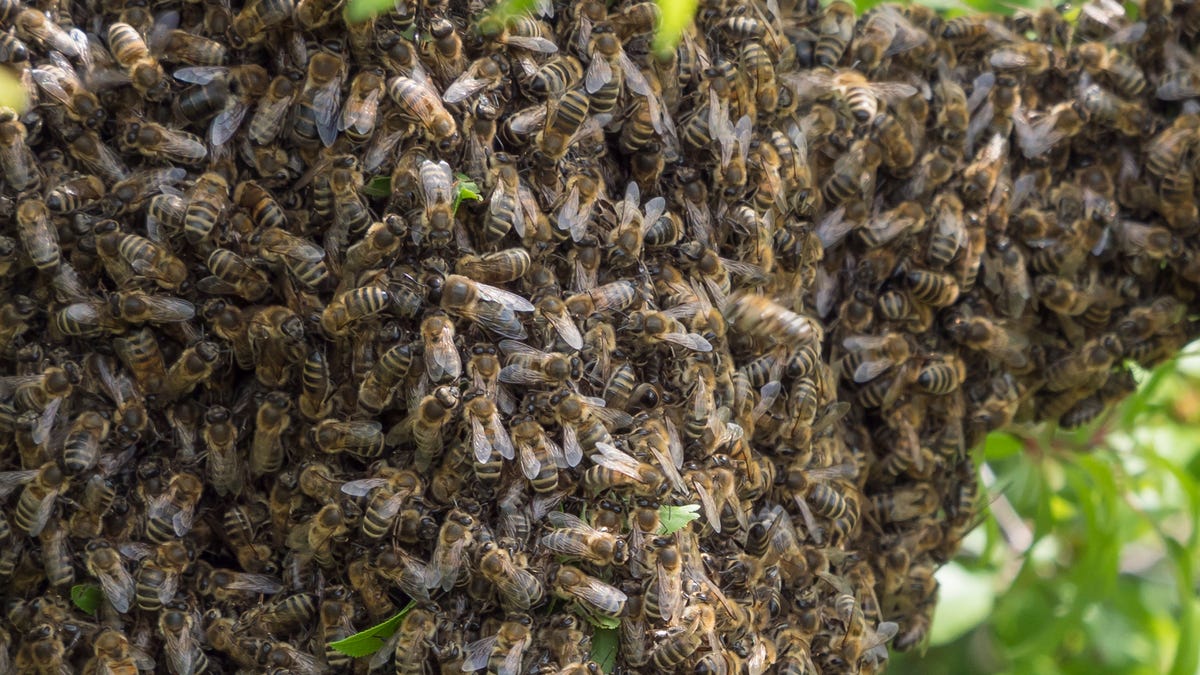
x=428, y=420
x=179, y=627
x=145, y=72
x=38, y=236
x=254, y=23
x=319, y=99
x=456, y=537
x=106, y=566
x=517, y=587
x=59, y=81
x=352, y=306
x=360, y=438
x=590, y=595
x=834, y=31
x=540, y=457
x=488, y=306
x=1094, y=359
x=423, y=105
x=158, y=578
x=156, y=141
x=273, y=107
x=81, y=448
x=226, y=94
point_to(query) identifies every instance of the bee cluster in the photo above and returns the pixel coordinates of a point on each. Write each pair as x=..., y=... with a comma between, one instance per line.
x=271, y=368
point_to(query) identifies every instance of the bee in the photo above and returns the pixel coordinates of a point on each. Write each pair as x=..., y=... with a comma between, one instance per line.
x=428, y=420
x=416, y=633
x=84, y=145
x=377, y=388
x=437, y=189
x=59, y=81
x=490, y=307
x=273, y=106
x=314, y=538
x=56, y=558
x=194, y=365
x=81, y=448
x=618, y=470
x=158, y=142
x=980, y=333
x=423, y=105
x=575, y=210
x=179, y=627
x=271, y=422
x=495, y=268
x=352, y=306
x=1093, y=359
x=556, y=76
x=1121, y=71
x=38, y=236
x=157, y=581
x=540, y=457
x=590, y=595
x=834, y=31
x=75, y=194
x=224, y=94
x=302, y=258
x=171, y=514
x=145, y=72
x=657, y=327
x=183, y=47
x=254, y=23
x=574, y=537
x=517, y=587
x=1151, y=241
x=529, y=366
x=455, y=539
x=319, y=99
x=106, y=566
x=516, y=31
x=38, y=497
x=759, y=315
x=361, y=109
x=360, y=438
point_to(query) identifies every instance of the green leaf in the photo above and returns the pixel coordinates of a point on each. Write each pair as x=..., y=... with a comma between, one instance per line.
x=603, y=622
x=370, y=640
x=361, y=10
x=509, y=9
x=378, y=186
x=465, y=189
x=677, y=15
x=674, y=518
x=604, y=648
x=86, y=597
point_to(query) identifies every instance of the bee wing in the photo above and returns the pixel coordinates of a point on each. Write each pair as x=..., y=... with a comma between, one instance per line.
x=654, y=210
x=500, y=438
x=180, y=647
x=479, y=440
x=226, y=123
x=11, y=480
x=599, y=73
x=509, y=300
x=668, y=468
x=832, y=413
x=166, y=592
x=518, y=347
x=566, y=329
x=360, y=488
x=267, y=118
x=182, y=520
x=572, y=451
x=517, y=374
x=533, y=44
x=362, y=118
x=444, y=355
x=570, y=217
x=50, y=79
x=512, y=660
x=634, y=79
x=118, y=587
x=600, y=595
x=255, y=583
x=169, y=309
x=41, y=431
x=609, y=417
x=564, y=520
x=325, y=108
x=674, y=443
x=670, y=593
x=464, y=87
x=183, y=145
x=692, y=341
x=1179, y=87
x=711, y=512
x=1011, y=59
x=528, y=120
x=200, y=74
x=530, y=464
x=476, y=654
x=612, y=458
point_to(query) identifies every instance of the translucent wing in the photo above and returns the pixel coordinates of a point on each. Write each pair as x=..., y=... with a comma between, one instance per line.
x=511, y=300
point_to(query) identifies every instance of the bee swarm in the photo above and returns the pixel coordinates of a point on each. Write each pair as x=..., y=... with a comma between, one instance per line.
x=306, y=318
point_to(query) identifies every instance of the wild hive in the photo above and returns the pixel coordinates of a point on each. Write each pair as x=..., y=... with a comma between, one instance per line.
x=307, y=318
